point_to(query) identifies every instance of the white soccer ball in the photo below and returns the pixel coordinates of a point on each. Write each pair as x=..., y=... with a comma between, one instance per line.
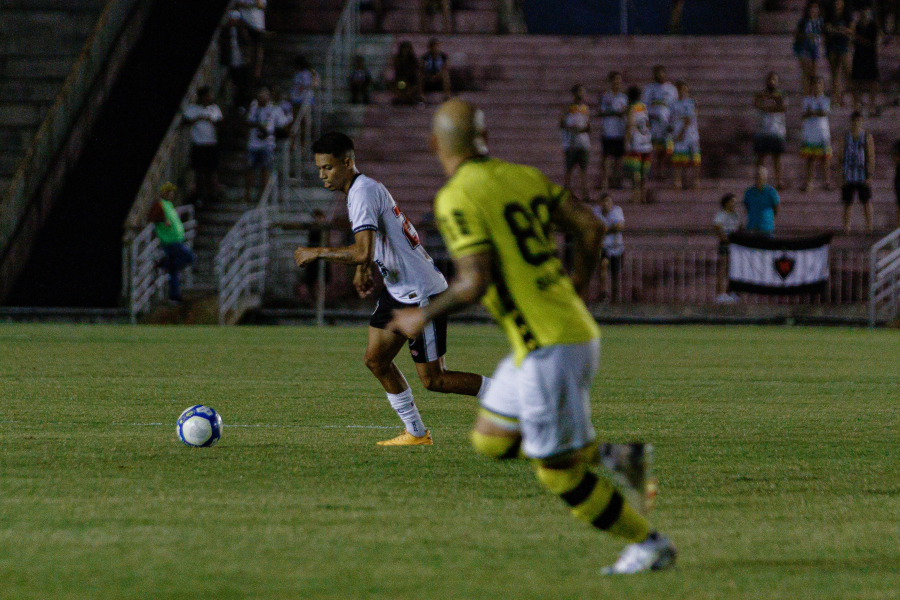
x=199, y=426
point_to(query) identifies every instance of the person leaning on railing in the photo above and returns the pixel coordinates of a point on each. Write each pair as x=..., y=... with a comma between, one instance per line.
x=170, y=232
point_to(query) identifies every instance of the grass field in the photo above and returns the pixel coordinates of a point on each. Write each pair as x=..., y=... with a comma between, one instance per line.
x=777, y=451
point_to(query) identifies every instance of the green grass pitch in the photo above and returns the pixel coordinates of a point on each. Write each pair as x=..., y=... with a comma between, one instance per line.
x=776, y=449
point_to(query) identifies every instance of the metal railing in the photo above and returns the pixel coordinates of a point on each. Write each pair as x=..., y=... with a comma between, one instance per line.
x=148, y=283
x=242, y=258
x=884, y=277
x=297, y=149
x=341, y=50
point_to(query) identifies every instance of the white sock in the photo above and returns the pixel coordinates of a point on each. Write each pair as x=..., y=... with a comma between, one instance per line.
x=485, y=386
x=406, y=409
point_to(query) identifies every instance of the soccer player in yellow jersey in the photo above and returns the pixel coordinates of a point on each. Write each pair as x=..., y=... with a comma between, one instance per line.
x=498, y=219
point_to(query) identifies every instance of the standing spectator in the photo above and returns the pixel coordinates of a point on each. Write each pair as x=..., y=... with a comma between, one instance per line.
x=613, y=111
x=772, y=129
x=858, y=166
x=253, y=12
x=262, y=118
x=304, y=84
x=761, y=202
x=686, y=136
x=896, y=153
x=407, y=82
x=613, y=246
x=816, y=134
x=170, y=232
x=204, y=117
x=638, y=145
x=838, y=33
x=360, y=82
x=864, y=71
x=433, y=7
x=576, y=127
x=234, y=44
x=658, y=97
x=808, y=43
x=435, y=70
x=727, y=221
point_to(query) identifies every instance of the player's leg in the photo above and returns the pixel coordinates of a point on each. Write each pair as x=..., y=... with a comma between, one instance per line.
x=496, y=433
x=865, y=197
x=428, y=352
x=847, y=200
x=810, y=169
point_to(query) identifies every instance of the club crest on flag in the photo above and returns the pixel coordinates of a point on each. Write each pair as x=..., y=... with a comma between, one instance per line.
x=784, y=265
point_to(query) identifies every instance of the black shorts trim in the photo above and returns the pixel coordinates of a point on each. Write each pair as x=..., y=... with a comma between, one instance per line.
x=429, y=346
x=862, y=190
x=768, y=144
x=576, y=156
x=615, y=262
x=614, y=147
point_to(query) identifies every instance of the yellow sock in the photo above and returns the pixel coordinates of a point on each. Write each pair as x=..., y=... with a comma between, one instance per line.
x=496, y=446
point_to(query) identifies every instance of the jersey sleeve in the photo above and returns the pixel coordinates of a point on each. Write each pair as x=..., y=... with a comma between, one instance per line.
x=363, y=210
x=461, y=224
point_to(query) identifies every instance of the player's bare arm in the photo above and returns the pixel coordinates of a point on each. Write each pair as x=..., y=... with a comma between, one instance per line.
x=360, y=253
x=473, y=277
x=575, y=218
x=363, y=281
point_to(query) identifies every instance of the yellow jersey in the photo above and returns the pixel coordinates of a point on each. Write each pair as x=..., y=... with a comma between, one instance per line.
x=494, y=206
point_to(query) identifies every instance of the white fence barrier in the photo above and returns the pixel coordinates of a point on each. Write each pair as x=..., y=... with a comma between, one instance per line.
x=884, y=278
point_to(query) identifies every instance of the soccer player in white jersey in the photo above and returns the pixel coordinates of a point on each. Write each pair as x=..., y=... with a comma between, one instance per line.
x=384, y=236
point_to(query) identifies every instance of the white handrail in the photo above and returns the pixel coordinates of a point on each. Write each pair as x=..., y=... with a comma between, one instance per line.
x=884, y=277
x=243, y=256
x=148, y=283
x=341, y=50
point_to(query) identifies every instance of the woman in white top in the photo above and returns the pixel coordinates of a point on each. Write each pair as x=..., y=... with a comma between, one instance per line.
x=686, y=153
x=816, y=134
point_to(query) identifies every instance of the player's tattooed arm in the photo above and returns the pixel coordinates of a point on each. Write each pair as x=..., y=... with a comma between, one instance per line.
x=575, y=218
x=362, y=280
x=360, y=253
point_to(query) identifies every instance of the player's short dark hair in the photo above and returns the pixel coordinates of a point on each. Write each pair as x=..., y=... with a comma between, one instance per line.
x=335, y=143
x=634, y=94
x=726, y=198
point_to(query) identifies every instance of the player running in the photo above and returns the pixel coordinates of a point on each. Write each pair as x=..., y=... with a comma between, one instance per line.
x=385, y=236
x=497, y=219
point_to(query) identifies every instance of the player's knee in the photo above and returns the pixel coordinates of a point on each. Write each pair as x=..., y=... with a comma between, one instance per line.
x=434, y=382
x=496, y=447
x=376, y=364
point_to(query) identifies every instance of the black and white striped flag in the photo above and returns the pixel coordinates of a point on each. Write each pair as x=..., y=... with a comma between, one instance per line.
x=780, y=266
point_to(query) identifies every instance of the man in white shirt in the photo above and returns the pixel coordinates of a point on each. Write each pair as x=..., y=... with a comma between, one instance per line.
x=771, y=128
x=263, y=118
x=658, y=96
x=384, y=236
x=613, y=111
x=203, y=118
x=613, y=246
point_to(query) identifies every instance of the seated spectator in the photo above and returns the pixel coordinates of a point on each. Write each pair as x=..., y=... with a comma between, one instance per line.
x=407, y=82
x=638, y=145
x=816, y=134
x=253, y=12
x=263, y=119
x=771, y=131
x=864, y=71
x=170, y=232
x=433, y=7
x=435, y=70
x=360, y=82
x=613, y=110
x=727, y=221
x=613, y=246
x=761, y=202
x=857, y=168
x=808, y=43
x=204, y=117
x=234, y=44
x=686, y=134
x=838, y=34
x=576, y=135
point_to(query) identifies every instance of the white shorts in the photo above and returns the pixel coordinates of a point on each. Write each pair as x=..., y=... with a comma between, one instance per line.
x=547, y=398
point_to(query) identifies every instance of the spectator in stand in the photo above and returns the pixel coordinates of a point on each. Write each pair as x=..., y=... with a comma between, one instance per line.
x=658, y=97
x=360, y=82
x=204, y=117
x=253, y=12
x=686, y=136
x=676, y=14
x=407, y=82
x=896, y=153
x=378, y=9
x=808, y=43
x=816, y=134
x=889, y=16
x=433, y=7
x=170, y=232
x=304, y=84
x=263, y=118
x=864, y=71
x=772, y=129
x=727, y=221
x=613, y=246
x=435, y=70
x=613, y=111
x=857, y=168
x=576, y=135
x=838, y=33
x=284, y=118
x=234, y=44
x=761, y=202
x=638, y=145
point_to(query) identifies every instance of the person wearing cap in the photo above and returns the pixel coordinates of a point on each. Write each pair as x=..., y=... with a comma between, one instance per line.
x=170, y=232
